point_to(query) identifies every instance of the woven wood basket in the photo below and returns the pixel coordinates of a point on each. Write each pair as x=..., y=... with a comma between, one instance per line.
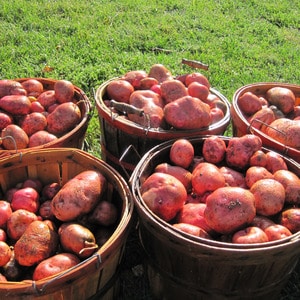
x=241, y=126
x=95, y=277
x=75, y=137
x=124, y=142
x=181, y=266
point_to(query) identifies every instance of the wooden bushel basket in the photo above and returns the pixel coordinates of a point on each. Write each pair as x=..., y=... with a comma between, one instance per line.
x=95, y=277
x=181, y=266
x=241, y=126
x=124, y=142
x=75, y=137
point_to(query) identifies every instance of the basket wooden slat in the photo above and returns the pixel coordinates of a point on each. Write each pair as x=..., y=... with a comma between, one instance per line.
x=96, y=275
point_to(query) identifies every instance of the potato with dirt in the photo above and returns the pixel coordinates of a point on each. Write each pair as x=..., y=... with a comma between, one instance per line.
x=79, y=195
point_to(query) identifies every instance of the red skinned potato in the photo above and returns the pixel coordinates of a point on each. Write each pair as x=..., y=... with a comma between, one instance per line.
x=119, y=90
x=64, y=91
x=207, y=177
x=250, y=235
x=147, y=83
x=262, y=222
x=240, y=149
x=50, y=190
x=40, y=138
x=275, y=162
x=187, y=113
x=262, y=117
x=182, y=153
x=283, y=98
x=14, y=137
x=255, y=173
x=6, y=253
x=5, y=213
x=5, y=119
x=290, y=218
x=285, y=131
x=172, y=90
x=198, y=90
x=233, y=177
x=277, y=232
x=216, y=114
x=197, y=77
x=33, y=87
x=26, y=198
x=77, y=239
x=229, y=208
x=33, y=122
x=37, y=243
x=47, y=98
x=192, y=229
x=54, y=265
x=142, y=98
x=64, y=118
x=249, y=103
x=11, y=87
x=79, y=195
x=135, y=77
x=160, y=73
x=18, y=222
x=259, y=159
x=214, y=149
x=15, y=104
x=164, y=195
x=180, y=173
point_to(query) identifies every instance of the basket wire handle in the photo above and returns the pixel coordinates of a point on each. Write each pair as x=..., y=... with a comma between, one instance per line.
x=125, y=153
x=285, y=148
x=14, y=142
x=43, y=288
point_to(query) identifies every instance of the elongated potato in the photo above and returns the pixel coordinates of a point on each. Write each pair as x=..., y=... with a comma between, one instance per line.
x=79, y=195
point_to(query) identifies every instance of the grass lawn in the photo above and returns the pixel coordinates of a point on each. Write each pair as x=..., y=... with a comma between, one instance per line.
x=89, y=42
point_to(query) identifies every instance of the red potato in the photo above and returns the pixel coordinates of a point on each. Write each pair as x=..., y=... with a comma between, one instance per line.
x=37, y=243
x=33, y=122
x=26, y=198
x=187, y=113
x=269, y=196
x=5, y=213
x=11, y=87
x=240, y=149
x=198, y=77
x=140, y=99
x=214, y=149
x=229, y=208
x=147, y=83
x=164, y=195
x=216, y=114
x=5, y=120
x=193, y=213
x=249, y=103
x=55, y=265
x=250, y=235
x=119, y=90
x=40, y=138
x=160, y=73
x=47, y=98
x=45, y=211
x=255, y=173
x=285, y=131
x=33, y=183
x=206, y=177
x=259, y=159
x=9, y=193
x=156, y=88
x=33, y=87
x=275, y=162
x=18, y=222
x=172, y=90
x=105, y=213
x=262, y=222
x=77, y=239
x=64, y=118
x=290, y=218
x=192, y=229
x=14, y=137
x=198, y=90
x=79, y=195
x=5, y=251
x=262, y=118
x=291, y=184
x=2, y=278
x=50, y=190
x=277, y=232
x=15, y=104
x=233, y=177
x=281, y=97
x=64, y=91
x=3, y=235
x=182, y=174
x=182, y=153
x=135, y=77
x=37, y=107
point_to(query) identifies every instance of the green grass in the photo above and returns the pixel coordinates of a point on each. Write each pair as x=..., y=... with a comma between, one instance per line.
x=89, y=42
